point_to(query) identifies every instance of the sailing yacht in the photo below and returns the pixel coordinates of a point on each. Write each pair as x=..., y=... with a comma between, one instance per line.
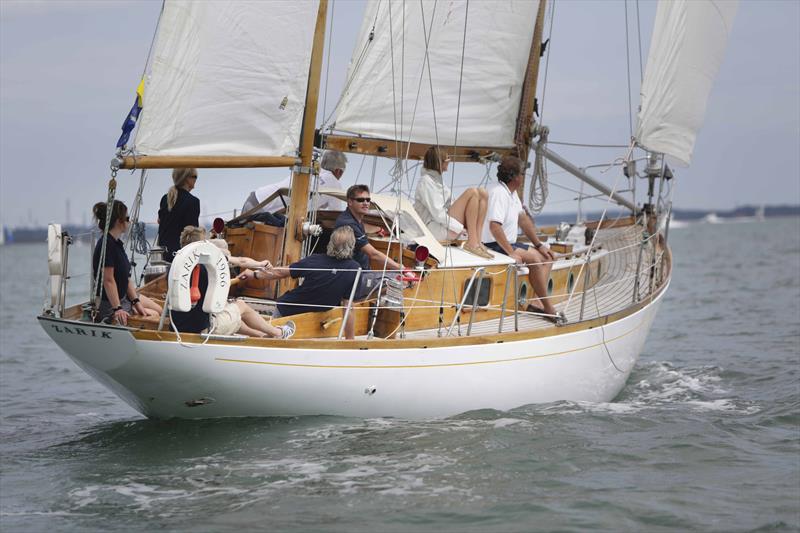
x=233, y=85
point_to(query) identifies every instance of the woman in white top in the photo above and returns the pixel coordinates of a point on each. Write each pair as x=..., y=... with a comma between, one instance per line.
x=446, y=218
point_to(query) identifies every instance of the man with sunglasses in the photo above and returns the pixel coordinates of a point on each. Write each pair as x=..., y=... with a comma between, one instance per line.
x=358, y=204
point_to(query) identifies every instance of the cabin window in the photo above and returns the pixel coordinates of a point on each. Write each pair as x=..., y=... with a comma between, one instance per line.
x=550, y=286
x=570, y=282
x=522, y=296
x=483, y=295
x=599, y=269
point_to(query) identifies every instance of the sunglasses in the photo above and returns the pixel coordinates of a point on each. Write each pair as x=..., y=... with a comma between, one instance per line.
x=362, y=200
x=127, y=219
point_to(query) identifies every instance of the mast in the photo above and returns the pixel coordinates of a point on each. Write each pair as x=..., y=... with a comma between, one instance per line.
x=523, y=135
x=300, y=181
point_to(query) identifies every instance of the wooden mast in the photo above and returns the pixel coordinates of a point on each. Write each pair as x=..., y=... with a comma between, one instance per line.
x=298, y=206
x=523, y=137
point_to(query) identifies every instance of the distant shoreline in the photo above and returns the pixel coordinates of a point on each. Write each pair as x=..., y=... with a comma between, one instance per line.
x=39, y=233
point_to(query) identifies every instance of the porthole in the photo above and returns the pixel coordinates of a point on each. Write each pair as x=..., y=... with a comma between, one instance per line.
x=550, y=286
x=522, y=297
x=570, y=282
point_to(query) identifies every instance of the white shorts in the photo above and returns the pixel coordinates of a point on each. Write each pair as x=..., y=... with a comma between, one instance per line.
x=228, y=321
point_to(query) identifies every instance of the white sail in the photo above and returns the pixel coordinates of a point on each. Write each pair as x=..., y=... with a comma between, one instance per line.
x=388, y=92
x=688, y=44
x=227, y=78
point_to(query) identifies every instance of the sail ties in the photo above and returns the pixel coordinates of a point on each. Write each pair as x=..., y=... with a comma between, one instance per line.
x=537, y=195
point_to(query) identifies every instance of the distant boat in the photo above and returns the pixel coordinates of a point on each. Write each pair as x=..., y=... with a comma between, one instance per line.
x=711, y=218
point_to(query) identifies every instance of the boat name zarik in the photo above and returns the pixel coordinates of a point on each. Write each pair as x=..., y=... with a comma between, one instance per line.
x=81, y=331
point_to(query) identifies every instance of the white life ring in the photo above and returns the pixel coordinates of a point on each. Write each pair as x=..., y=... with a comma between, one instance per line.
x=180, y=277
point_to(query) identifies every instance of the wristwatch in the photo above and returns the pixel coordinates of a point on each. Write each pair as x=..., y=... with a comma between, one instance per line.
x=537, y=246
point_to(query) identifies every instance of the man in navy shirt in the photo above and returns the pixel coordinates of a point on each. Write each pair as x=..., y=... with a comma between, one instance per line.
x=358, y=204
x=328, y=279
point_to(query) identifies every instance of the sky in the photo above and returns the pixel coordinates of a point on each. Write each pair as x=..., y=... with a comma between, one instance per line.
x=69, y=69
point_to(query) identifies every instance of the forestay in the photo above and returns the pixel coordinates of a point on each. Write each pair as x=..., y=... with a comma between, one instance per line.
x=688, y=44
x=394, y=93
x=227, y=78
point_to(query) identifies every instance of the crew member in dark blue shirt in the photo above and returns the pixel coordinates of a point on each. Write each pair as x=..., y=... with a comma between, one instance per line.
x=118, y=297
x=358, y=204
x=328, y=279
x=179, y=208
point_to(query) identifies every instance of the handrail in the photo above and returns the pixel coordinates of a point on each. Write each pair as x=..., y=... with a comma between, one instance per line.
x=463, y=299
x=349, y=304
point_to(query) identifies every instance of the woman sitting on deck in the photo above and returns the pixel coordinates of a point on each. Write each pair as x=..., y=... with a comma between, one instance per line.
x=447, y=219
x=118, y=297
x=237, y=317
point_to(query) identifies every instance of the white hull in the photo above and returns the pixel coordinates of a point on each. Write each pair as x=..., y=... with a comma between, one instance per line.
x=158, y=378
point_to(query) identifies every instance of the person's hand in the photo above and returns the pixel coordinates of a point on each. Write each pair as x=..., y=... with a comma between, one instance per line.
x=246, y=274
x=121, y=316
x=547, y=252
x=516, y=256
x=265, y=265
x=139, y=308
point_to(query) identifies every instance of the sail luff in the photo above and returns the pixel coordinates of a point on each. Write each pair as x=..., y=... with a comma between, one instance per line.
x=298, y=205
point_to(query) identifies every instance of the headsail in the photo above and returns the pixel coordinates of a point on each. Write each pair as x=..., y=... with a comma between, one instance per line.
x=227, y=79
x=388, y=94
x=688, y=44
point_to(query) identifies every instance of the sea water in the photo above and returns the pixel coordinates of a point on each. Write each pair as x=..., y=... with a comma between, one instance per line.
x=705, y=436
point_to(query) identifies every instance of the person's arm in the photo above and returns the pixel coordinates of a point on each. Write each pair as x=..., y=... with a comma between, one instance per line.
x=529, y=229
x=270, y=273
x=380, y=257
x=110, y=288
x=134, y=298
x=437, y=205
x=248, y=262
x=194, y=212
x=496, y=229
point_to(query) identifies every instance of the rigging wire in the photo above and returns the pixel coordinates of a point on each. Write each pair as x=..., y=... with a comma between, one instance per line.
x=639, y=34
x=628, y=59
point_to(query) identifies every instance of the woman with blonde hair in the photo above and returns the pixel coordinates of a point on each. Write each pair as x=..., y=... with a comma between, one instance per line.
x=237, y=317
x=178, y=209
x=446, y=218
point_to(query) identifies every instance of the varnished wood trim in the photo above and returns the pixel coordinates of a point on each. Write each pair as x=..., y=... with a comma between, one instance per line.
x=403, y=150
x=205, y=161
x=379, y=344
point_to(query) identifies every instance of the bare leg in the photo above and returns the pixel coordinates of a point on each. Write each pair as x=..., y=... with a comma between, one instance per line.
x=252, y=322
x=538, y=275
x=483, y=205
x=466, y=209
x=150, y=307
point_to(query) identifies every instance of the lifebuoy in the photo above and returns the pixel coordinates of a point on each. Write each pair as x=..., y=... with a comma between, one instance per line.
x=180, y=276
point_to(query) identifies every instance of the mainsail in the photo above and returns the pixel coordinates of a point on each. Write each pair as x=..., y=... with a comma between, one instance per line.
x=227, y=79
x=406, y=81
x=687, y=47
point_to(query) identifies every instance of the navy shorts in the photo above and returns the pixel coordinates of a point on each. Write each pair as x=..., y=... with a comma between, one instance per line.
x=496, y=247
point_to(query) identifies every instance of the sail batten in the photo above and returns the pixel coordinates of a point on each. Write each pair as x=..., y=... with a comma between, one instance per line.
x=400, y=89
x=687, y=48
x=222, y=85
